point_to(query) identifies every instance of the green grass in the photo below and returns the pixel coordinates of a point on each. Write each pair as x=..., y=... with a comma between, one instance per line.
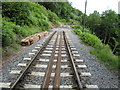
x=102, y=51
x=106, y=56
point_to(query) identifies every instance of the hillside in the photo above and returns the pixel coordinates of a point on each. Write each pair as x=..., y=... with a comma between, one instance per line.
x=21, y=19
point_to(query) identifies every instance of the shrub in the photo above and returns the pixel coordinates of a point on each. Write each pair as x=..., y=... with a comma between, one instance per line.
x=78, y=31
x=63, y=20
x=32, y=29
x=45, y=25
x=53, y=17
x=8, y=36
x=91, y=40
x=81, y=28
x=76, y=27
x=87, y=37
x=20, y=31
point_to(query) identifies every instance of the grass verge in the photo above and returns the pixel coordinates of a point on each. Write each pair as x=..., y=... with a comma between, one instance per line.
x=102, y=51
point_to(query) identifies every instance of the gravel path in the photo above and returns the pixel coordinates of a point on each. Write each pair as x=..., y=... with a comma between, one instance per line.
x=101, y=76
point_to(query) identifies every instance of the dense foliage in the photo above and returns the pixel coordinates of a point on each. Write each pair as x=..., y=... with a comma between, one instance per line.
x=64, y=10
x=102, y=51
x=27, y=13
x=21, y=19
x=106, y=27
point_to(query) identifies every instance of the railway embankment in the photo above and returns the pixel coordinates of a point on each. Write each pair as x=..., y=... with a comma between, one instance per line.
x=100, y=75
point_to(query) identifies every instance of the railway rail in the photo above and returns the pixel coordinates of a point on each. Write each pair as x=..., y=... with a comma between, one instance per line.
x=56, y=51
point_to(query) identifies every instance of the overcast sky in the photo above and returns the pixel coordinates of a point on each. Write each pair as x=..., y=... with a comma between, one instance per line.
x=99, y=5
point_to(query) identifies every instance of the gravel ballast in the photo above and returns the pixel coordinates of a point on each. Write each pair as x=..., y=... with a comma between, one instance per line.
x=101, y=76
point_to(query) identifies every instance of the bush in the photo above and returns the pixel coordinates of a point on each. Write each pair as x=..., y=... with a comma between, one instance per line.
x=87, y=37
x=79, y=27
x=63, y=20
x=11, y=27
x=91, y=40
x=45, y=25
x=78, y=31
x=8, y=36
x=20, y=31
x=76, y=27
x=53, y=17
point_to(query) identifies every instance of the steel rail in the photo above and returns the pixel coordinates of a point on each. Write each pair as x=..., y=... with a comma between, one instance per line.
x=46, y=81
x=72, y=62
x=13, y=86
x=56, y=84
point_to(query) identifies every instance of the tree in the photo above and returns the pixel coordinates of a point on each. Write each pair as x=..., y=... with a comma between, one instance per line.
x=63, y=9
x=107, y=28
x=94, y=21
x=17, y=11
x=110, y=25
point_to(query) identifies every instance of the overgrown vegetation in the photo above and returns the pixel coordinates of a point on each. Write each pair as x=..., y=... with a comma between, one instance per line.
x=21, y=19
x=64, y=10
x=104, y=35
x=102, y=51
x=106, y=27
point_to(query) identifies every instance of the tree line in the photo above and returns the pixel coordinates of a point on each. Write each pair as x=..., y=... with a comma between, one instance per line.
x=107, y=27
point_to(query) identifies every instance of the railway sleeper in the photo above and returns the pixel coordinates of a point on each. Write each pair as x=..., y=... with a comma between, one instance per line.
x=6, y=85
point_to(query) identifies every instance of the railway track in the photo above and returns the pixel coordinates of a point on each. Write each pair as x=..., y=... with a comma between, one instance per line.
x=56, y=64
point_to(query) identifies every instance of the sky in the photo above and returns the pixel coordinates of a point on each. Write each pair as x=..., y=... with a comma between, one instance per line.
x=99, y=5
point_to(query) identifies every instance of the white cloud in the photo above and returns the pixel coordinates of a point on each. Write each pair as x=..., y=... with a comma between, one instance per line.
x=99, y=5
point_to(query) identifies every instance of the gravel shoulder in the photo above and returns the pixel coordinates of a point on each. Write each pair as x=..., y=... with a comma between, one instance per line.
x=101, y=76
